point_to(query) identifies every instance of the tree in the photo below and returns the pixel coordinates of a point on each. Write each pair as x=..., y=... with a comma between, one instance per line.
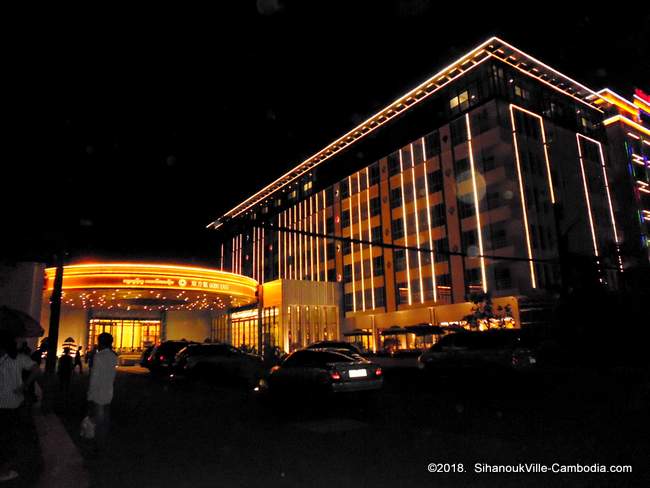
x=483, y=311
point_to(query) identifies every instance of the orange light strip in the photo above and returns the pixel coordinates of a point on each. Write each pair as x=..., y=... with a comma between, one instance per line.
x=587, y=199
x=524, y=210
x=300, y=238
x=619, y=101
x=263, y=249
x=222, y=249
x=392, y=110
x=254, y=252
x=325, y=232
x=311, y=238
x=417, y=224
x=609, y=197
x=486, y=50
x=479, y=230
x=625, y=120
x=406, y=239
x=544, y=144
x=372, y=271
x=432, y=254
x=148, y=268
x=317, y=219
x=354, y=287
x=281, y=249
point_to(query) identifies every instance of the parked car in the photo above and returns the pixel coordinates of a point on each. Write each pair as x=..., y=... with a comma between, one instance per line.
x=217, y=361
x=145, y=355
x=341, y=346
x=325, y=371
x=162, y=356
x=480, y=351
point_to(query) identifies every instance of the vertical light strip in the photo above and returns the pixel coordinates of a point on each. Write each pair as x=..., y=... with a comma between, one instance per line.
x=254, y=253
x=311, y=237
x=294, y=274
x=317, y=219
x=280, y=247
x=222, y=256
x=305, y=229
x=609, y=197
x=417, y=224
x=587, y=199
x=479, y=229
x=262, y=274
x=325, y=232
x=524, y=211
x=363, y=280
x=354, y=286
x=300, y=237
x=406, y=239
x=372, y=271
x=232, y=256
x=432, y=254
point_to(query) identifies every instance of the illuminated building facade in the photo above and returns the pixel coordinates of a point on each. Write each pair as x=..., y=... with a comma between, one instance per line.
x=142, y=304
x=478, y=180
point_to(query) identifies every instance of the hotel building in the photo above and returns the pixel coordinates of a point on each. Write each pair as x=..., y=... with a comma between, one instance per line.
x=495, y=175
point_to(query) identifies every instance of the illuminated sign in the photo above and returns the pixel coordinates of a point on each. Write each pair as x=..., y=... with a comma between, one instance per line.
x=161, y=277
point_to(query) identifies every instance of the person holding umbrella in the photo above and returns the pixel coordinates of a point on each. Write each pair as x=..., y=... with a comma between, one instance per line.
x=12, y=396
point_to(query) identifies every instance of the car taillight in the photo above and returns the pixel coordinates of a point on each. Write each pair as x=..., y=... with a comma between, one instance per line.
x=378, y=372
x=335, y=375
x=162, y=358
x=274, y=369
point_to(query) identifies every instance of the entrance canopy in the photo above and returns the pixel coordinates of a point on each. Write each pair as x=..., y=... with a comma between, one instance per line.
x=137, y=286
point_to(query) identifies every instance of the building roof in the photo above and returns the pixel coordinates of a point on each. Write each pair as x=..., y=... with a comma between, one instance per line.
x=491, y=48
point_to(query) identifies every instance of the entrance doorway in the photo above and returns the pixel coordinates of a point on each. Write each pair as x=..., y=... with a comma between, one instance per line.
x=129, y=335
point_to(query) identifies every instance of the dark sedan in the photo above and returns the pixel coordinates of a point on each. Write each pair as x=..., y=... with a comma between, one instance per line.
x=324, y=370
x=162, y=356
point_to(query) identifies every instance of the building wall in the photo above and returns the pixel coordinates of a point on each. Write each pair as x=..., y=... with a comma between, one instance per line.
x=21, y=286
x=193, y=326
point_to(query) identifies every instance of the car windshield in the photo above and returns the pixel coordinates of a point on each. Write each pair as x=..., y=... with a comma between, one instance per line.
x=313, y=358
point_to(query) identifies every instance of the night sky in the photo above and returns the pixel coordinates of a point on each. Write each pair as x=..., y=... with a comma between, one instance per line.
x=128, y=131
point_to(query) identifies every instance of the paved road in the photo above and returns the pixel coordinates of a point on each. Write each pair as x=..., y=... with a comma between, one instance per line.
x=206, y=435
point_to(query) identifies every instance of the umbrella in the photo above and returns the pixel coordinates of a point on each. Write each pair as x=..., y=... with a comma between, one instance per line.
x=18, y=323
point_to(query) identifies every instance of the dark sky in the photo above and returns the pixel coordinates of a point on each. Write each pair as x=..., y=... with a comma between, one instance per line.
x=128, y=131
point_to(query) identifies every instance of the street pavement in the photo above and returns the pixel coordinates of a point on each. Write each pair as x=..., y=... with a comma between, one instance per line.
x=207, y=434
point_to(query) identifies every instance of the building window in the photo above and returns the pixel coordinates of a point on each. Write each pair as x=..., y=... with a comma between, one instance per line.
x=462, y=169
x=395, y=197
x=417, y=153
x=465, y=206
x=458, y=131
x=438, y=216
x=348, y=302
x=469, y=239
x=498, y=235
x=435, y=181
x=307, y=186
x=378, y=265
x=399, y=258
x=379, y=296
x=460, y=102
x=345, y=219
x=375, y=234
x=472, y=276
x=347, y=273
x=375, y=206
x=393, y=163
x=502, y=278
x=373, y=173
x=441, y=248
x=432, y=144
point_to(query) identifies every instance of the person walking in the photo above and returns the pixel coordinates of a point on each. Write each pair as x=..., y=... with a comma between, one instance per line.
x=12, y=389
x=77, y=360
x=100, y=389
